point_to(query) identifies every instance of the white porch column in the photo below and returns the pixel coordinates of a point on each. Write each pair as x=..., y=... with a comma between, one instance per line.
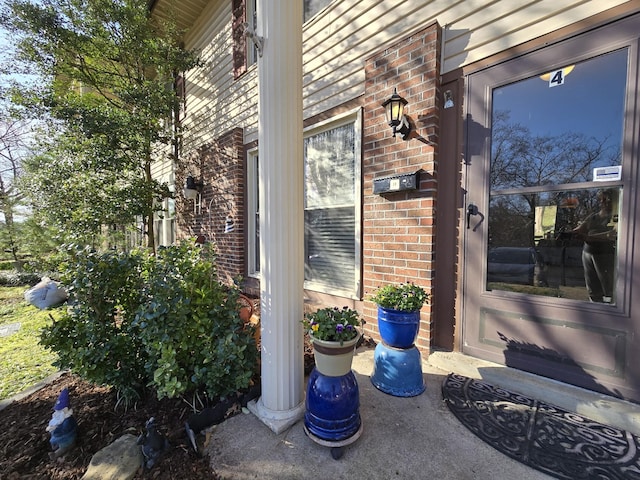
x=281, y=214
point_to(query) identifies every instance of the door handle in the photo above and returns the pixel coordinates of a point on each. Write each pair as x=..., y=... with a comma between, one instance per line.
x=471, y=210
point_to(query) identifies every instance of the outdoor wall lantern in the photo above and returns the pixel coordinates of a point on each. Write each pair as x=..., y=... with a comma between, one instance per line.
x=394, y=109
x=192, y=188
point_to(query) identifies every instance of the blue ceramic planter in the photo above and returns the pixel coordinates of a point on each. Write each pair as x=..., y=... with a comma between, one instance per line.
x=332, y=406
x=397, y=328
x=397, y=372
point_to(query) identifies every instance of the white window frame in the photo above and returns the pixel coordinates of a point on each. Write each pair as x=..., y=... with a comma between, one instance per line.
x=165, y=223
x=253, y=268
x=308, y=16
x=352, y=117
x=251, y=18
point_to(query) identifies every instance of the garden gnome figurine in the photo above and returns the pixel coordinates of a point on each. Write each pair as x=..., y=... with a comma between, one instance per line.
x=62, y=426
x=153, y=443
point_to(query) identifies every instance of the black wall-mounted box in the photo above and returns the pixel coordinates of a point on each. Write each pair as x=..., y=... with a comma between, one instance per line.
x=396, y=183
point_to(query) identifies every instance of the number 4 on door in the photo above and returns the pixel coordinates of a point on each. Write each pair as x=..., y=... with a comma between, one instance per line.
x=556, y=78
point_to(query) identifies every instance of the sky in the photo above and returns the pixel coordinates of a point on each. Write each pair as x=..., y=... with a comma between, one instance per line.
x=591, y=100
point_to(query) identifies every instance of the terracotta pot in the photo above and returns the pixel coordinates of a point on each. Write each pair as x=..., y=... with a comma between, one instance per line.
x=332, y=358
x=246, y=308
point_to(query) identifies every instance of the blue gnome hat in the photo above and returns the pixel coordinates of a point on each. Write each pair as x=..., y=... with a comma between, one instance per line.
x=63, y=400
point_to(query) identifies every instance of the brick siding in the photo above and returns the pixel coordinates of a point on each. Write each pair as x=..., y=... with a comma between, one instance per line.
x=399, y=228
x=221, y=168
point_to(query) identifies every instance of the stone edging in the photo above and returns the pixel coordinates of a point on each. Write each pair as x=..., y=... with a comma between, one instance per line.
x=43, y=383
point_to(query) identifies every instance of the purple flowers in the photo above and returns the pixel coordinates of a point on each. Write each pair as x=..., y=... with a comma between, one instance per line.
x=341, y=328
x=333, y=324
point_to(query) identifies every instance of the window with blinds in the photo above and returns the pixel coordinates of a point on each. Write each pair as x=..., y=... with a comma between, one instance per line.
x=330, y=208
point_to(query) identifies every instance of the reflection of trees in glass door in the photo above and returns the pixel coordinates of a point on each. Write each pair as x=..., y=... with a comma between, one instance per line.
x=556, y=230
x=551, y=171
x=554, y=138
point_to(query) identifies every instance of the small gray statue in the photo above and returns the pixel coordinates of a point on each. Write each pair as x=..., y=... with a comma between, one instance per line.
x=153, y=443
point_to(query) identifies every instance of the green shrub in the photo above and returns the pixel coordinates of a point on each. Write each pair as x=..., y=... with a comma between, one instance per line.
x=190, y=326
x=406, y=297
x=96, y=337
x=18, y=279
x=136, y=320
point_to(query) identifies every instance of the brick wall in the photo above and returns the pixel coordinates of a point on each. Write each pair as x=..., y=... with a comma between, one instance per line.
x=220, y=166
x=399, y=228
x=239, y=14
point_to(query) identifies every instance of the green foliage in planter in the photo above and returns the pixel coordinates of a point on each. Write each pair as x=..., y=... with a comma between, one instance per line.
x=333, y=324
x=96, y=336
x=189, y=323
x=406, y=297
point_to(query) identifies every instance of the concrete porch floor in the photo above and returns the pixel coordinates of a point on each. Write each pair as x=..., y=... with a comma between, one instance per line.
x=403, y=438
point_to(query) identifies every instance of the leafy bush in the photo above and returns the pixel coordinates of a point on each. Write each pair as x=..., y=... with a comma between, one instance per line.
x=7, y=265
x=189, y=323
x=96, y=337
x=18, y=279
x=164, y=321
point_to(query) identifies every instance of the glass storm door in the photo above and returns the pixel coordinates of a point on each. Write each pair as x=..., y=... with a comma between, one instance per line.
x=551, y=180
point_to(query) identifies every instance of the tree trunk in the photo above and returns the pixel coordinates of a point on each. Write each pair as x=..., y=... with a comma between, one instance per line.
x=151, y=237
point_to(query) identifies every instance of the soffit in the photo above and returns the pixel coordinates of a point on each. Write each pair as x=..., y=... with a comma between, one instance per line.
x=184, y=13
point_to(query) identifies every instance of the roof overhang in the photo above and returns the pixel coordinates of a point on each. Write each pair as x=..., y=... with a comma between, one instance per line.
x=184, y=13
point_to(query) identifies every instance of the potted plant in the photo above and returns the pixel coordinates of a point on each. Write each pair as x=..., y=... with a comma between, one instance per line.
x=334, y=333
x=399, y=313
x=332, y=401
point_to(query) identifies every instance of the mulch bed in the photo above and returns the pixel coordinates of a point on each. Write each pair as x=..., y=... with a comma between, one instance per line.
x=24, y=442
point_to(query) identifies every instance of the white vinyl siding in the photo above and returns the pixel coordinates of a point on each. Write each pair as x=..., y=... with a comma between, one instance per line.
x=337, y=41
x=342, y=35
x=213, y=85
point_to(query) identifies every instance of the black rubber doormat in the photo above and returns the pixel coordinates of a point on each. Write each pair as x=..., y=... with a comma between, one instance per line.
x=559, y=443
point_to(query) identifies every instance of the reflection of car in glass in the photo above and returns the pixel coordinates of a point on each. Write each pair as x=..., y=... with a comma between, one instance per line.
x=520, y=265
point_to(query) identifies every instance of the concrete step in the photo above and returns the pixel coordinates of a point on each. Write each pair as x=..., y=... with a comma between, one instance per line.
x=596, y=406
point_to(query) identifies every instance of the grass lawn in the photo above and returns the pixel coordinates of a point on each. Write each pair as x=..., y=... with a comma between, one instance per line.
x=23, y=362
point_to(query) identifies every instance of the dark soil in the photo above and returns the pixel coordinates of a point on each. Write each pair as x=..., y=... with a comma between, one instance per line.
x=25, y=447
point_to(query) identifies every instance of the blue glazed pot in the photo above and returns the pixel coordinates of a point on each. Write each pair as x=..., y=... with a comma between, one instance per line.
x=332, y=406
x=398, y=329
x=397, y=371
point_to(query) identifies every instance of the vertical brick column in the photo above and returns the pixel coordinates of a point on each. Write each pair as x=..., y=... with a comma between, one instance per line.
x=399, y=228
